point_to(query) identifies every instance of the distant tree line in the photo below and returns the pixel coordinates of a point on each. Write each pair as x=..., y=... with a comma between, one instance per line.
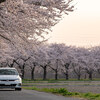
x=56, y=58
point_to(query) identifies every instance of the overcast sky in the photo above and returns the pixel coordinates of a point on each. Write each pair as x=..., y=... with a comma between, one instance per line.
x=81, y=27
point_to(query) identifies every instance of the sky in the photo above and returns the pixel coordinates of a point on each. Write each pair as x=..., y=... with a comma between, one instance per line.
x=81, y=27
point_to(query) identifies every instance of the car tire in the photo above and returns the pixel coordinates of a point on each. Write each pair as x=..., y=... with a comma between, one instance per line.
x=18, y=89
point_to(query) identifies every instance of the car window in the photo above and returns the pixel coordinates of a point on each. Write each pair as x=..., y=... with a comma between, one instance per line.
x=8, y=72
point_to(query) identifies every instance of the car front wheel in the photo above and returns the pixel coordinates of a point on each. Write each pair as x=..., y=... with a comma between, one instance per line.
x=18, y=89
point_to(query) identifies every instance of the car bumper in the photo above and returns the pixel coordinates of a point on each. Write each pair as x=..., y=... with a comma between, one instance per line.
x=10, y=85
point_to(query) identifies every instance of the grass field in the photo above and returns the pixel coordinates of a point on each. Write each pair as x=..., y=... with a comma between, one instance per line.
x=56, y=81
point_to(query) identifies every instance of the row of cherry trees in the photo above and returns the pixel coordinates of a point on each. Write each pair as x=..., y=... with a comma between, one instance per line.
x=23, y=23
x=23, y=20
x=57, y=58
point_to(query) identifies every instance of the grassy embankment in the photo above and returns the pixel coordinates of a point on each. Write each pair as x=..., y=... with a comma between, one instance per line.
x=65, y=92
x=61, y=91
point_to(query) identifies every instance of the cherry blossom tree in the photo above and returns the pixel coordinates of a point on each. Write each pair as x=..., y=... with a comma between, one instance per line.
x=67, y=57
x=77, y=62
x=65, y=70
x=89, y=63
x=22, y=62
x=5, y=52
x=20, y=58
x=43, y=59
x=55, y=55
x=33, y=61
x=32, y=64
x=95, y=51
x=30, y=18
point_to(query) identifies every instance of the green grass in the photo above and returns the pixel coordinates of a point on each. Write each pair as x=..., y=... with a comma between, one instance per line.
x=65, y=92
x=54, y=81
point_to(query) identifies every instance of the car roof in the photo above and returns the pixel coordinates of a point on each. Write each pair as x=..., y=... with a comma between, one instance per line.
x=6, y=68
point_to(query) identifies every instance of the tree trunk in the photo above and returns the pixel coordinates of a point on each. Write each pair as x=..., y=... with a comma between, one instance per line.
x=79, y=76
x=45, y=73
x=67, y=76
x=32, y=73
x=67, y=67
x=56, y=75
x=85, y=76
x=22, y=70
x=90, y=76
x=12, y=65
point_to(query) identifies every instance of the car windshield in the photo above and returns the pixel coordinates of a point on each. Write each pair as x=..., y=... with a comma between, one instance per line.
x=8, y=72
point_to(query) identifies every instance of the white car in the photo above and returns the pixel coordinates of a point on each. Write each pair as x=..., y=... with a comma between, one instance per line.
x=9, y=78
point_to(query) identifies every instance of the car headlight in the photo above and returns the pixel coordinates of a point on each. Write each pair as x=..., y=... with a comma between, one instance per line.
x=17, y=80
